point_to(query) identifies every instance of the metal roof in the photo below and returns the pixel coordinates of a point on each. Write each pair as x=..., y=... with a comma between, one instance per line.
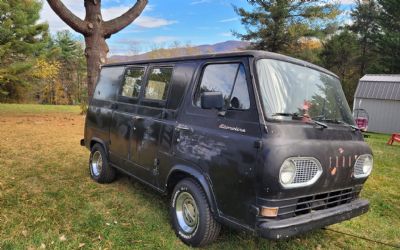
x=381, y=78
x=383, y=87
x=252, y=53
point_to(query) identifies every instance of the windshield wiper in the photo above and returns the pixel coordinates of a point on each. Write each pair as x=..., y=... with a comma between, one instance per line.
x=323, y=125
x=296, y=116
x=336, y=121
x=293, y=115
x=348, y=125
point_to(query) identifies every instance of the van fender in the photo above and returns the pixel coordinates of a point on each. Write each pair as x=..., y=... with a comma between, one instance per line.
x=95, y=140
x=202, y=179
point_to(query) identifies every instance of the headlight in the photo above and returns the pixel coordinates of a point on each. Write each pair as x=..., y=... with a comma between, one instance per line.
x=363, y=166
x=299, y=172
x=287, y=173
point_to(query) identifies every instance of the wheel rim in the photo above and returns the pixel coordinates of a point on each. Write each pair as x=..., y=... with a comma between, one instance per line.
x=96, y=164
x=187, y=213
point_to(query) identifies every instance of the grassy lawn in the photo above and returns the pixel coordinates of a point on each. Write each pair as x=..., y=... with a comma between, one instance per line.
x=47, y=199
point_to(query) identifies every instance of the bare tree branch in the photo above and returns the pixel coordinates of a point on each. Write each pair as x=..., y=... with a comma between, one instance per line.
x=117, y=24
x=68, y=17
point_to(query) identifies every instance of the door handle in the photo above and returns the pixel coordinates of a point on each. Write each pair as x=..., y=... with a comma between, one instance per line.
x=181, y=127
x=137, y=118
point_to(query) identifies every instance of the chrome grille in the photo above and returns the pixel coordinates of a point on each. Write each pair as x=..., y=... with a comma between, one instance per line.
x=306, y=170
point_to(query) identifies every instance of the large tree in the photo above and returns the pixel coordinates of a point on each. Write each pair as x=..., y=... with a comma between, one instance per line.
x=96, y=31
x=22, y=39
x=365, y=25
x=280, y=25
x=340, y=55
x=389, y=38
x=71, y=57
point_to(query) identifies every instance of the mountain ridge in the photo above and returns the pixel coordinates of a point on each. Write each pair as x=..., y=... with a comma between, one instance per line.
x=226, y=46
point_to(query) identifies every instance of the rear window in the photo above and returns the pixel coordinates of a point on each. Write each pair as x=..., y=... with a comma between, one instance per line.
x=132, y=82
x=158, y=83
x=107, y=85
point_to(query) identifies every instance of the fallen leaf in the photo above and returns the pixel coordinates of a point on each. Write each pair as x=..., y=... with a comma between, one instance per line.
x=42, y=246
x=81, y=245
x=63, y=238
x=24, y=233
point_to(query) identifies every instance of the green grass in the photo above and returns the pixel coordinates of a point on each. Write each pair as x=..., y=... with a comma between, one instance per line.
x=19, y=109
x=47, y=198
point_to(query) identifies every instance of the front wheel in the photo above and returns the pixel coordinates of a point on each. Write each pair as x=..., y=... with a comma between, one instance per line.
x=99, y=168
x=191, y=216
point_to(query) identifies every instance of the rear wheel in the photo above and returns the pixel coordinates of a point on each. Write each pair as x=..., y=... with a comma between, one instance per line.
x=99, y=168
x=191, y=216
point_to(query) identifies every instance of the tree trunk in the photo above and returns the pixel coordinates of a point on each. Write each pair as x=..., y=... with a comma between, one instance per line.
x=96, y=54
x=96, y=47
x=96, y=31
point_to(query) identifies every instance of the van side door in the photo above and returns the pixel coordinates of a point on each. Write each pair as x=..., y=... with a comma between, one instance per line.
x=224, y=144
x=122, y=117
x=148, y=121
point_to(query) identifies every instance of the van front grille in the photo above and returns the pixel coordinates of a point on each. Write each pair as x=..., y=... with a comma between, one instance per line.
x=306, y=204
x=306, y=170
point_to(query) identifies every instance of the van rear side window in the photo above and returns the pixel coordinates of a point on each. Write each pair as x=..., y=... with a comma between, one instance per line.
x=158, y=84
x=133, y=82
x=228, y=79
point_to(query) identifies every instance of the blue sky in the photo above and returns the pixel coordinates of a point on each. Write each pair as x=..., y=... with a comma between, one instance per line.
x=163, y=22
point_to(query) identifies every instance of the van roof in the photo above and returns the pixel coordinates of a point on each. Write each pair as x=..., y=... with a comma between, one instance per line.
x=248, y=53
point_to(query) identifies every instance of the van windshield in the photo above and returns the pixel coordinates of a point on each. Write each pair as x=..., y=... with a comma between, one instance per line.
x=293, y=92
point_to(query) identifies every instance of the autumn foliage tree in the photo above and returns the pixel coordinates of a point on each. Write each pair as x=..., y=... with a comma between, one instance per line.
x=96, y=31
x=280, y=25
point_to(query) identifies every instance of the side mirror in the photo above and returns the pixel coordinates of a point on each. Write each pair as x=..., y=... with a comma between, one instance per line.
x=212, y=100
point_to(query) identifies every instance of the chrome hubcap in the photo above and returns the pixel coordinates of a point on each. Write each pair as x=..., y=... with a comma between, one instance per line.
x=96, y=163
x=187, y=212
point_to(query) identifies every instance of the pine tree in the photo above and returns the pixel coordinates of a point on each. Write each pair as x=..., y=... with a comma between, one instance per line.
x=280, y=25
x=340, y=55
x=21, y=40
x=388, y=40
x=365, y=25
x=73, y=71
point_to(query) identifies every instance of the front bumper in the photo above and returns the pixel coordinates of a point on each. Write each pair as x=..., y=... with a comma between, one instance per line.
x=281, y=229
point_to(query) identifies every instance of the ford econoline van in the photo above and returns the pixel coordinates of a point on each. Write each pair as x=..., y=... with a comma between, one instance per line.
x=251, y=140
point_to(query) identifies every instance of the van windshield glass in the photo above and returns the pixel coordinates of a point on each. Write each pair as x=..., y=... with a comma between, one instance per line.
x=293, y=92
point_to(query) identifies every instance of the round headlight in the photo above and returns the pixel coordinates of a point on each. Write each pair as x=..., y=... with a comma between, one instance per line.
x=287, y=172
x=367, y=166
x=363, y=166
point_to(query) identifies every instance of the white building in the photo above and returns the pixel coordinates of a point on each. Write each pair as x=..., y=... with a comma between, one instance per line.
x=379, y=95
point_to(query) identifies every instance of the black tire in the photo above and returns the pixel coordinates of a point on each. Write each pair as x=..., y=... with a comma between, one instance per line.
x=105, y=173
x=206, y=229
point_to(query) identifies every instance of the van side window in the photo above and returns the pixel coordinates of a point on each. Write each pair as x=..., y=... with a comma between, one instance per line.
x=132, y=82
x=158, y=84
x=228, y=79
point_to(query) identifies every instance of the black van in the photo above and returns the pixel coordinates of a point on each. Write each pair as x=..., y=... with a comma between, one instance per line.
x=256, y=141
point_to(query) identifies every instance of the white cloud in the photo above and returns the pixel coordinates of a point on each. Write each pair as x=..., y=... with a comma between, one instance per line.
x=346, y=2
x=229, y=20
x=77, y=7
x=153, y=22
x=200, y=2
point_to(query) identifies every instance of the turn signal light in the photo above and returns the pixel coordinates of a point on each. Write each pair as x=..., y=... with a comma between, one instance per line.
x=269, y=211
